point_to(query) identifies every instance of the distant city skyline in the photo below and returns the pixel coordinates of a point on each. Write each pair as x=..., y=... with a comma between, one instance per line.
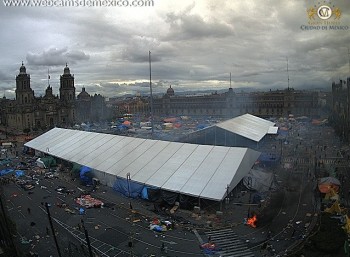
x=194, y=45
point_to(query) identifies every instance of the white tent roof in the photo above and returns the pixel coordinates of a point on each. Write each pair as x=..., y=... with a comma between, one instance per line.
x=198, y=170
x=249, y=126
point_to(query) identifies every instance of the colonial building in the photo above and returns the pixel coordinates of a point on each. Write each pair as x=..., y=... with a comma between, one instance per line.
x=230, y=104
x=340, y=117
x=91, y=108
x=29, y=112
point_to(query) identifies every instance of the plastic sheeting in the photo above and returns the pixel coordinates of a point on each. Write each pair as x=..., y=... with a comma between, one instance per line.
x=326, y=184
x=150, y=193
x=85, y=175
x=260, y=181
x=5, y=171
x=128, y=188
x=269, y=159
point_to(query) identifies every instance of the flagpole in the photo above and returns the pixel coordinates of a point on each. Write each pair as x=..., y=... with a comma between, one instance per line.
x=150, y=86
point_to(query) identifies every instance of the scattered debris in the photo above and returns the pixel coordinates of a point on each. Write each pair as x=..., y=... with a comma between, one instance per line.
x=89, y=202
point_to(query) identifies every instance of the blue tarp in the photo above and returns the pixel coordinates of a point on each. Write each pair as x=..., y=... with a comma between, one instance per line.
x=201, y=126
x=19, y=173
x=126, y=187
x=5, y=171
x=150, y=193
x=268, y=159
x=84, y=175
x=122, y=127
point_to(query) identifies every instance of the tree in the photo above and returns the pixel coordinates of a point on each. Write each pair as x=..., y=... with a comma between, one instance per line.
x=26, y=131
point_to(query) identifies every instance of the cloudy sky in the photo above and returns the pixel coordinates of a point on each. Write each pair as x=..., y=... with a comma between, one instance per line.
x=194, y=45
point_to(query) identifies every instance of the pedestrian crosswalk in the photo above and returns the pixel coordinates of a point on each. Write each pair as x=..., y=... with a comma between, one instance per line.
x=296, y=160
x=229, y=243
x=100, y=247
x=330, y=161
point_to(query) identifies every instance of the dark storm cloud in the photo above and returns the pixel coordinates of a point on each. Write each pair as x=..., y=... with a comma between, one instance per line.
x=184, y=26
x=56, y=56
x=194, y=45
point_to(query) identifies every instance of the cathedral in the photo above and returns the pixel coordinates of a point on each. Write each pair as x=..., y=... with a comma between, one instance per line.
x=28, y=112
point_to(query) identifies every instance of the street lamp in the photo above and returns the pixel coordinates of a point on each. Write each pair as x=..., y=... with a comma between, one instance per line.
x=128, y=181
x=87, y=238
x=249, y=184
x=52, y=229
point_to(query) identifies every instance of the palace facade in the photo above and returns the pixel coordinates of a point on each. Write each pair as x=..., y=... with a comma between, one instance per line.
x=278, y=103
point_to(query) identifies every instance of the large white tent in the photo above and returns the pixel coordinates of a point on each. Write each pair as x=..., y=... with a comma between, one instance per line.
x=245, y=131
x=249, y=126
x=203, y=171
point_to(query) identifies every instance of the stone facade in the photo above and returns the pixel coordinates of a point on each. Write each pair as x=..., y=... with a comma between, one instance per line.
x=278, y=103
x=29, y=112
x=340, y=117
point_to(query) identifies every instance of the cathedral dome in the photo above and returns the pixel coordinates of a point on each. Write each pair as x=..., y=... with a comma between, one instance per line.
x=170, y=91
x=83, y=94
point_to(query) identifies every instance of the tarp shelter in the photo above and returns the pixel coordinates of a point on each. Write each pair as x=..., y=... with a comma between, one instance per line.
x=326, y=184
x=260, y=180
x=127, y=123
x=40, y=163
x=85, y=175
x=5, y=171
x=269, y=159
x=204, y=171
x=49, y=161
x=245, y=131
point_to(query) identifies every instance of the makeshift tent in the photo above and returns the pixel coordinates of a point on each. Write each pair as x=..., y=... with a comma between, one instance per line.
x=127, y=123
x=85, y=175
x=326, y=184
x=128, y=188
x=40, y=163
x=76, y=170
x=49, y=161
x=170, y=120
x=260, y=180
x=5, y=171
x=150, y=193
x=19, y=173
x=269, y=159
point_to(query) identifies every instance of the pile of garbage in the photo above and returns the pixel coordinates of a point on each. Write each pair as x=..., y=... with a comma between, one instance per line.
x=88, y=201
x=160, y=225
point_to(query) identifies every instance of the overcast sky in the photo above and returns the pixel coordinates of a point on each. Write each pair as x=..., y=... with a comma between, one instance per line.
x=194, y=45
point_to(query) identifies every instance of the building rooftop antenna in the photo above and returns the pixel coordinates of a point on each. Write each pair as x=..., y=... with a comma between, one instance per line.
x=230, y=80
x=349, y=58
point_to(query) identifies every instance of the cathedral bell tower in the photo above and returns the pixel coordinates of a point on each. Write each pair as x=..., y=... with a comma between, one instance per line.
x=24, y=93
x=67, y=89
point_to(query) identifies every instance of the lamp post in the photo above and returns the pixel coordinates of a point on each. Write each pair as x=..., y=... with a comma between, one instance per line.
x=128, y=181
x=131, y=237
x=87, y=238
x=52, y=229
x=250, y=195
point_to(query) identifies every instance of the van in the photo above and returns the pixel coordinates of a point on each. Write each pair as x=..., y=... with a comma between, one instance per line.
x=7, y=144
